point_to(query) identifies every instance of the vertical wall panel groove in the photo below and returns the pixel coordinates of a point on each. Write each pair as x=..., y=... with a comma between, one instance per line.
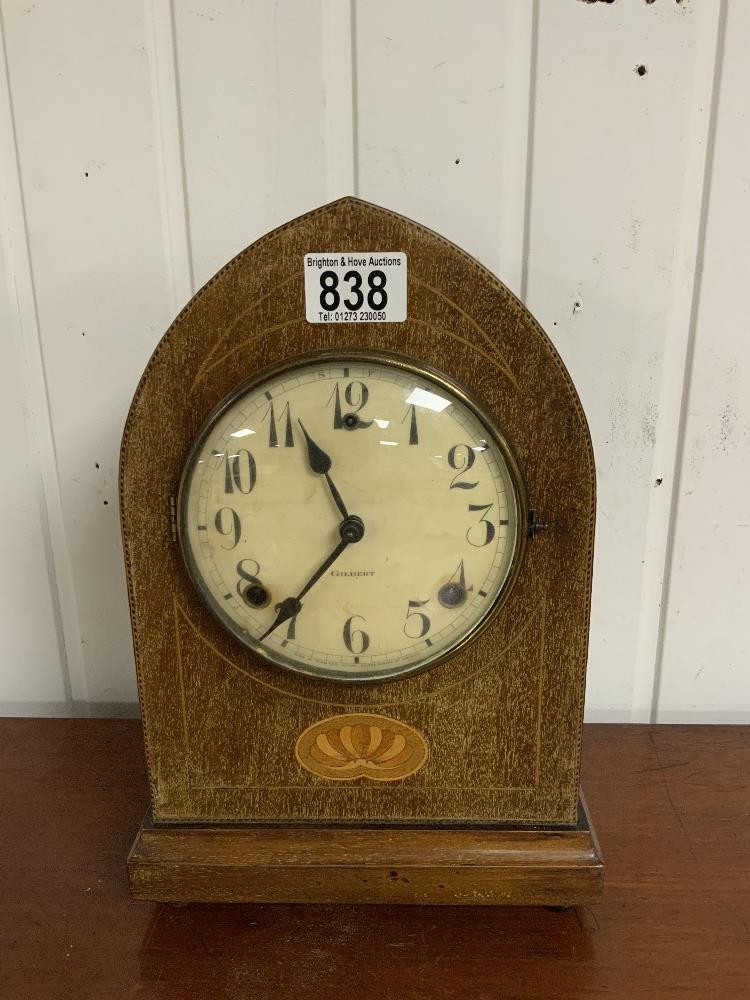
x=83, y=113
x=706, y=611
x=679, y=340
x=168, y=127
x=25, y=328
x=519, y=47
x=614, y=157
x=339, y=96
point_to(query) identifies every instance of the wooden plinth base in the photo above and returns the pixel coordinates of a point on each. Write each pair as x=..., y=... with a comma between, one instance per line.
x=299, y=864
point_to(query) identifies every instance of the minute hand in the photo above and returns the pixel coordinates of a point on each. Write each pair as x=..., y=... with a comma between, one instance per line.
x=292, y=606
x=320, y=463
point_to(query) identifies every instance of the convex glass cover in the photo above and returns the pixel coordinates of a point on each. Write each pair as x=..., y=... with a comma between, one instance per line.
x=351, y=516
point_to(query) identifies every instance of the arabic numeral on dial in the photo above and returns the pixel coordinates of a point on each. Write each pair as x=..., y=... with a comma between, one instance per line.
x=355, y=639
x=356, y=395
x=247, y=578
x=227, y=522
x=273, y=432
x=489, y=530
x=335, y=398
x=329, y=297
x=460, y=577
x=240, y=472
x=453, y=593
x=461, y=457
x=411, y=413
x=417, y=623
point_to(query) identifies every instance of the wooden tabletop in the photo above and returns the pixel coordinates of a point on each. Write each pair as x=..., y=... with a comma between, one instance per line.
x=672, y=809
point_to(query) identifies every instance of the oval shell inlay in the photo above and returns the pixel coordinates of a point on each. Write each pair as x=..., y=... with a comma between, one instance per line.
x=360, y=745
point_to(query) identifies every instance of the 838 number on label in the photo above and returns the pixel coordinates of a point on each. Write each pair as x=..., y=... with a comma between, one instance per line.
x=350, y=287
x=377, y=296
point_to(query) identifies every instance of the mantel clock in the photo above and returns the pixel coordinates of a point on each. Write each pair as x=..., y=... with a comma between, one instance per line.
x=357, y=501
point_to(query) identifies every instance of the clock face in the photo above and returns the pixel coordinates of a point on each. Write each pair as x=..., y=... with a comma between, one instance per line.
x=352, y=517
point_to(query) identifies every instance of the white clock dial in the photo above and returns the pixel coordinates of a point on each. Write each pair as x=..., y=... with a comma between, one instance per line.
x=351, y=517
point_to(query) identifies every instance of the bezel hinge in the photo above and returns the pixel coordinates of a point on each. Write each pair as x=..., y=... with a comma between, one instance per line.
x=173, y=517
x=536, y=523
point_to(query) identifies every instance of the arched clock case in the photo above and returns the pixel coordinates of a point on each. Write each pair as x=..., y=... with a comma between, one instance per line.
x=358, y=497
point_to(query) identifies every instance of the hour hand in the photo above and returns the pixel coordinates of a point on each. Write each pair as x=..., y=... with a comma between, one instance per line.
x=320, y=463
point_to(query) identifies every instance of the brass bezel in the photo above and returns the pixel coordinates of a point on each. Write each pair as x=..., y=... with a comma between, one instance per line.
x=412, y=366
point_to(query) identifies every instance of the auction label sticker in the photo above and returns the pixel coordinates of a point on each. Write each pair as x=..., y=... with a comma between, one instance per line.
x=355, y=287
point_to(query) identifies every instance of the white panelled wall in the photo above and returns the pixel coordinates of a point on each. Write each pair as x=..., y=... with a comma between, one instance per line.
x=593, y=154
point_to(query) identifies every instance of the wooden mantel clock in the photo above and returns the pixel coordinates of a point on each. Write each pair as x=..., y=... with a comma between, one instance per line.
x=357, y=500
